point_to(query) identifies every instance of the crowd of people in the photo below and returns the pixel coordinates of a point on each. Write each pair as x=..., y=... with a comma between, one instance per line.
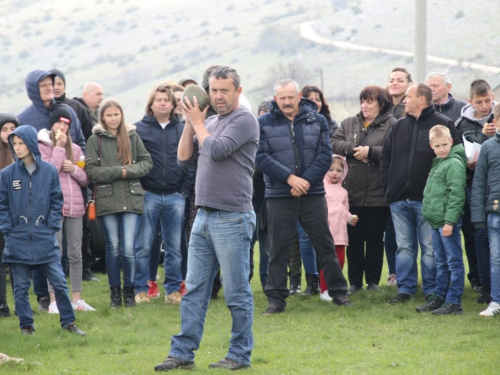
x=209, y=182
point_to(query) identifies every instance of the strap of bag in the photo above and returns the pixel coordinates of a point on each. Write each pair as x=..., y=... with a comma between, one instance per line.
x=94, y=192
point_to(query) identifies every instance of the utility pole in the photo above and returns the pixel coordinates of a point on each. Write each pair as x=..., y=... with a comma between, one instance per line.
x=420, y=57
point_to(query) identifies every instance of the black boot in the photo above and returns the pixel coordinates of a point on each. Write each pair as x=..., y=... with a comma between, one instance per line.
x=116, y=297
x=129, y=296
x=294, y=285
x=312, y=285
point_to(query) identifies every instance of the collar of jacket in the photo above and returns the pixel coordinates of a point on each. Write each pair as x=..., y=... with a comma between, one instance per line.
x=426, y=112
x=307, y=110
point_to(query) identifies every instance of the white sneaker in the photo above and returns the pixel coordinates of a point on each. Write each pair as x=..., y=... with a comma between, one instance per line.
x=492, y=309
x=81, y=305
x=325, y=296
x=53, y=308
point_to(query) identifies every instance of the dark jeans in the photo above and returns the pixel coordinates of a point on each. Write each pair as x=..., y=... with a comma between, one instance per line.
x=295, y=263
x=469, y=241
x=86, y=251
x=312, y=212
x=261, y=236
x=365, y=253
x=391, y=246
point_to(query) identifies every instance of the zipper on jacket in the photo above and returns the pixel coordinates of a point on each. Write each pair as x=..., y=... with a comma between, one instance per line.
x=412, y=151
x=295, y=151
x=30, y=224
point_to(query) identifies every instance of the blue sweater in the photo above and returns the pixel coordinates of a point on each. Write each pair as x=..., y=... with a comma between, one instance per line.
x=30, y=207
x=301, y=147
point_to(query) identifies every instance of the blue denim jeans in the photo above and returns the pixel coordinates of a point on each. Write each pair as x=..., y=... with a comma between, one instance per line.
x=119, y=230
x=450, y=270
x=307, y=252
x=169, y=210
x=218, y=238
x=412, y=230
x=154, y=255
x=22, y=285
x=494, y=235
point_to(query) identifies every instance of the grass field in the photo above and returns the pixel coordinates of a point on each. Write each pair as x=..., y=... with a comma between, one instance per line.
x=311, y=337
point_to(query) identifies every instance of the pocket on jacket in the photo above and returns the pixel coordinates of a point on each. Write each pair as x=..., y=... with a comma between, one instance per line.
x=104, y=191
x=136, y=188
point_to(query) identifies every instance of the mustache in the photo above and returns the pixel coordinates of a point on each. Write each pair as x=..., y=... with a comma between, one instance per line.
x=288, y=106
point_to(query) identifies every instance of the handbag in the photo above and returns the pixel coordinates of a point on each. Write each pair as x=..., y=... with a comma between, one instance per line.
x=91, y=208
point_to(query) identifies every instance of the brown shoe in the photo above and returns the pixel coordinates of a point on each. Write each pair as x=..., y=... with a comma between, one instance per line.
x=174, y=298
x=141, y=297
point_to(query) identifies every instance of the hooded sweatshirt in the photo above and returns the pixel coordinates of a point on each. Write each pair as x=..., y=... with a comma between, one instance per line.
x=37, y=114
x=71, y=183
x=30, y=207
x=338, y=206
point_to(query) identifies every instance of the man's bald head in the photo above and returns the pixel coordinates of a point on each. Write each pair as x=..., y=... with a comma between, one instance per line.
x=92, y=95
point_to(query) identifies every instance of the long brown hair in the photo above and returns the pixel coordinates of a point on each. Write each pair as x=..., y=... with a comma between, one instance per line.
x=6, y=157
x=67, y=148
x=122, y=138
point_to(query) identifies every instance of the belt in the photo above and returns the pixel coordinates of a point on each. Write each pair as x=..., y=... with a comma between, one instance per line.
x=208, y=209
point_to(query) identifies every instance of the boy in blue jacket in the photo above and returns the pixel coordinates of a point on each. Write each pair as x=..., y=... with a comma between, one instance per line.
x=31, y=204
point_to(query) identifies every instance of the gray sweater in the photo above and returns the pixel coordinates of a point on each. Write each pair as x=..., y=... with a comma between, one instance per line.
x=226, y=161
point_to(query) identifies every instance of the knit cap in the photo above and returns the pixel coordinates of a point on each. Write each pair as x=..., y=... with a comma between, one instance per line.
x=59, y=112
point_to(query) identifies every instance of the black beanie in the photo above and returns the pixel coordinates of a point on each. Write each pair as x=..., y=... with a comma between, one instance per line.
x=59, y=74
x=6, y=117
x=59, y=112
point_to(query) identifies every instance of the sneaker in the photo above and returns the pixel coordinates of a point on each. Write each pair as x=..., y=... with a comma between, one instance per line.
x=173, y=298
x=43, y=303
x=183, y=290
x=433, y=303
x=391, y=280
x=142, y=297
x=53, y=308
x=88, y=275
x=295, y=286
x=273, y=308
x=448, y=309
x=153, y=291
x=27, y=330
x=484, y=295
x=493, y=309
x=81, y=305
x=372, y=286
x=400, y=298
x=476, y=285
x=354, y=289
x=229, y=364
x=4, y=311
x=326, y=297
x=172, y=363
x=342, y=300
x=74, y=329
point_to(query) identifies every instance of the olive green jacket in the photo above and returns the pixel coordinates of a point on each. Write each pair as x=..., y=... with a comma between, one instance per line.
x=444, y=193
x=115, y=194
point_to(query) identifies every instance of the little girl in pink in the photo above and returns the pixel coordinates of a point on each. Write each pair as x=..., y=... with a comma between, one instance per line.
x=338, y=213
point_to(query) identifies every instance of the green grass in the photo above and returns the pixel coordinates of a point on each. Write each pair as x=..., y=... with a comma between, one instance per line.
x=311, y=337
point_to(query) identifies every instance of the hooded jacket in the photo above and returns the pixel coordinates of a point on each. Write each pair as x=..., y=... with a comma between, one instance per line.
x=444, y=193
x=71, y=183
x=452, y=108
x=338, y=206
x=81, y=112
x=406, y=157
x=37, y=114
x=301, y=147
x=166, y=177
x=485, y=195
x=363, y=181
x=30, y=207
x=114, y=194
x=472, y=130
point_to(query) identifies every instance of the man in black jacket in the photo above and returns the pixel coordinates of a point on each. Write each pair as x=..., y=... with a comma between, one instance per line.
x=405, y=163
x=444, y=102
x=92, y=96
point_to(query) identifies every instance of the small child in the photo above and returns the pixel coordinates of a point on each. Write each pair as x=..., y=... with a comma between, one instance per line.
x=31, y=205
x=442, y=208
x=485, y=198
x=338, y=213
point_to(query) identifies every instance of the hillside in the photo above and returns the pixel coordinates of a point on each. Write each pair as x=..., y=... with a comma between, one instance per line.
x=129, y=45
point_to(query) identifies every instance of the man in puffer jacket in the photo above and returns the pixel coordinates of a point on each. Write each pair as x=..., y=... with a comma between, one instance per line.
x=294, y=155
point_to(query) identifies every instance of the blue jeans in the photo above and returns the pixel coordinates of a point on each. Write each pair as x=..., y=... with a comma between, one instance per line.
x=494, y=235
x=154, y=255
x=22, y=285
x=307, y=252
x=119, y=230
x=169, y=210
x=218, y=238
x=450, y=270
x=412, y=230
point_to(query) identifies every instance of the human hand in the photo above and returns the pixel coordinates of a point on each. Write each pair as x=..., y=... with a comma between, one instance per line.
x=471, y=164
x=353, y=220
x=68, y=166
x=295, y=193
x=361, y=153
x=192, y=111
x=299, y=184
x=447, y=230
x=63, y=139
x=124, y=172
x=489, y=129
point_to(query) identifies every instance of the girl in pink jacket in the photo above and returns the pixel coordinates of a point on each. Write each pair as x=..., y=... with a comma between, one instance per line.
x=338, y=213
x=56, y=148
